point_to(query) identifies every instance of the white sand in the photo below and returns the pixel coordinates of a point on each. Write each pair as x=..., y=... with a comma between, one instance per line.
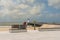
x=43, y=35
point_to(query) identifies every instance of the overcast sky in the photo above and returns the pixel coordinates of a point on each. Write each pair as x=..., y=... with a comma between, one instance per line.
x=38, y=10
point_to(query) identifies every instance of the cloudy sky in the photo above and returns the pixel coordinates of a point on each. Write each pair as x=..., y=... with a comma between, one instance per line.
x=38, y=10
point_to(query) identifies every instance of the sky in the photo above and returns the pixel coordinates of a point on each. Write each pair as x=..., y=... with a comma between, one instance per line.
x=35, y=10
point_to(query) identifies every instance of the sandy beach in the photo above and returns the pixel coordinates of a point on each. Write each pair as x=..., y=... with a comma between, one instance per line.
x=34, y=35
x=4, y=29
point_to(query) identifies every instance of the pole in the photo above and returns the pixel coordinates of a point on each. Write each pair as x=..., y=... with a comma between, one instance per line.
x=34, y=27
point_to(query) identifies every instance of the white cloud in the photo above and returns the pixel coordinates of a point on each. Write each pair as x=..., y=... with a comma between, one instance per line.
x=4, y=12
x=6, y=3
x=29, y=10
x=23, y=6
x=54, y=3
x=37, y=9
x=16, y=11
x=31, y=1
